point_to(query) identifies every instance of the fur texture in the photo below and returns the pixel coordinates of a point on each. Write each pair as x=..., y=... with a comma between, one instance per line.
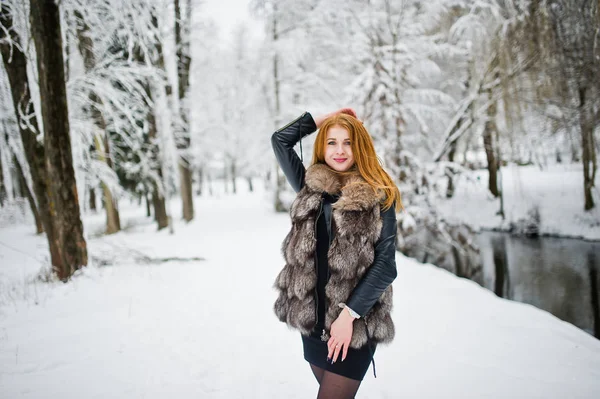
x=356, y=222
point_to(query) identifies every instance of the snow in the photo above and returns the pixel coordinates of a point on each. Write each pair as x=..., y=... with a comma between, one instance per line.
x=557, y=192
x=123, y=328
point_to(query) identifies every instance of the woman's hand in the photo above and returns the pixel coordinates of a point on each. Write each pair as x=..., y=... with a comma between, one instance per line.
x=319, y=119
x=341, y=334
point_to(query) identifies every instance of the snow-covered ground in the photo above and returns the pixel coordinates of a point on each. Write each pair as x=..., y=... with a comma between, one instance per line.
x=556, y=192
x=126, y=328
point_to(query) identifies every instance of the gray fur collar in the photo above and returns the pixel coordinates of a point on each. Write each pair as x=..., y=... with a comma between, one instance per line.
x=356, y=193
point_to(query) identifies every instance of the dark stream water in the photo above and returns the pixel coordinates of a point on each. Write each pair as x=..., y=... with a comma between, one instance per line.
x=559, y=275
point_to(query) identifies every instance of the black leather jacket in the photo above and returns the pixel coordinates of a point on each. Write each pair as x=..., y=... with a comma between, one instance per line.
x=383, y=271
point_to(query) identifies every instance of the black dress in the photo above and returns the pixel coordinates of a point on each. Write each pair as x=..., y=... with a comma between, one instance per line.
x=357, y=361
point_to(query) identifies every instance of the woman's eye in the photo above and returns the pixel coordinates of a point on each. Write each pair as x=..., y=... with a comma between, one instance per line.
x=331, y=143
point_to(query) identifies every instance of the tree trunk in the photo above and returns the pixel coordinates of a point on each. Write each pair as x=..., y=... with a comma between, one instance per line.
x=499, y=175
x=2, y=188
x=6, y=190
x=588, y=149
x=21, y=190
x=501, y=275
x=183, y=144
x=160, y=197
x=185, y=175
x=450, y=188
x=157, y=196
x=489, y=133
x=15, y=64
x=64, y=212
x=148, y=212
x=160, y=209
x=233, y=176
x=39, y=227
x=396, y=155
x=113, y=221
x=250, y=185
x=200, y=180
x=92, y=199
x=225, y=178
x=86, y=48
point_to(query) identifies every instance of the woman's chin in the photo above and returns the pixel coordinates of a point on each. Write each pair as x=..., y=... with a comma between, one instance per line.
x=339, y=167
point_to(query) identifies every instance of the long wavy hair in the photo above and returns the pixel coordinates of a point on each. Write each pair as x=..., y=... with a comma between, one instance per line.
x=366, y=161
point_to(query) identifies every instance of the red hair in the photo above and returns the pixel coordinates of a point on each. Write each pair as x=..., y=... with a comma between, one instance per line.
x=366, y=161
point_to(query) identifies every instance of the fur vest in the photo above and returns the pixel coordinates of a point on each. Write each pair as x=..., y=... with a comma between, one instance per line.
x=356, y=227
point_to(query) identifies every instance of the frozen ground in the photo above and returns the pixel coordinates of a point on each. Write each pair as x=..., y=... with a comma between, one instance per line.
x=557, y=193
x=205, y=328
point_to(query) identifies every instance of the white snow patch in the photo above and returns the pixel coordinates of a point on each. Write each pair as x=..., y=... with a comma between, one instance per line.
x=556, y=192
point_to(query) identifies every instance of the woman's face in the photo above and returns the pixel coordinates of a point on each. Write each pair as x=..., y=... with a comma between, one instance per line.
x=338, y=152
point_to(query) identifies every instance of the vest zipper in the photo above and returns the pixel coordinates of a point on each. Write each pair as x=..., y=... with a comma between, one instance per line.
x=317, y=266
x=330, y=233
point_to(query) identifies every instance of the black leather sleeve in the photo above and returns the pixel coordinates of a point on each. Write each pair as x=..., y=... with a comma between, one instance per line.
x=383, y=270
x=283, y=142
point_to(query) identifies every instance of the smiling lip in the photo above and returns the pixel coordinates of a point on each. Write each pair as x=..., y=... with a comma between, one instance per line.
x=340, y=160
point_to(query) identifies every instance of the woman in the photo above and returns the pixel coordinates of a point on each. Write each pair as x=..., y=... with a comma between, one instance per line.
x=340, y=253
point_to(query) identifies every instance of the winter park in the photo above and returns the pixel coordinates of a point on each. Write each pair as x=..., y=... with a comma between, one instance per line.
x=178, y=177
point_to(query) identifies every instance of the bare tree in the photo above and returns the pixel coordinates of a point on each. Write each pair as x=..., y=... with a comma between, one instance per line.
x=15, y=63
x=159, y=193
x=567, y=33
x=283, y=19
x=182, y=36
x=64, y=209
x=491, y=33
x=279, y=178
x=101, y=138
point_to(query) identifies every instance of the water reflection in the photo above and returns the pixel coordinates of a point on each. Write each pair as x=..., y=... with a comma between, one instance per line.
x=559, y=275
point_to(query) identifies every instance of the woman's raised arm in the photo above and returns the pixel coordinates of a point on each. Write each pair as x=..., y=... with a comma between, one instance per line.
x=283, y=142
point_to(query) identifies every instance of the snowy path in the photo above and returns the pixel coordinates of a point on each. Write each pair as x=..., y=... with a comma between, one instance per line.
x=155, y=330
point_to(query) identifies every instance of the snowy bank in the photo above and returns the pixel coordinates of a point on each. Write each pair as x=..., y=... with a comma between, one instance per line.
x=556, y=193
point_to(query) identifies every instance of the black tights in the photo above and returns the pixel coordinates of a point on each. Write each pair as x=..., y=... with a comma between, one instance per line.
x=334, y=386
